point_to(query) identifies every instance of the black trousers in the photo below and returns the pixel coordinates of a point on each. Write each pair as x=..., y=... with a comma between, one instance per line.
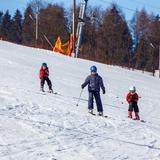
x=133, y=106
x=96, y=95
x=48, y=82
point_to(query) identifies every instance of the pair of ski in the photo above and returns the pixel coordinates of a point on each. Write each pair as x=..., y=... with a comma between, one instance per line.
x=93, y=114
x=141, y=120
x=105, y=116
x=48, y=92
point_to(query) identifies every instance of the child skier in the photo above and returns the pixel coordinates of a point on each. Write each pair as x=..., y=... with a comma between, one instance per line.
x=43, y=75
x=132, y=99
x=94, y=82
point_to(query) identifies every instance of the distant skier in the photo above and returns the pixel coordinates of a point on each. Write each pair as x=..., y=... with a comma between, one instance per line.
x=43, y=75
x=132, y=99
x=94, y=82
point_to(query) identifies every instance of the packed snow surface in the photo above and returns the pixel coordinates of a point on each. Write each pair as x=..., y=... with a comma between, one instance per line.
x=43, y=126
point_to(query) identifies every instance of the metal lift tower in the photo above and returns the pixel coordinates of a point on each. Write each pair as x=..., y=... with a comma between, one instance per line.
x=81, y=23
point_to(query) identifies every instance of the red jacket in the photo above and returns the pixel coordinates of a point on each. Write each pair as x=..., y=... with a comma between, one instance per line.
x=43, y=72
x=132, y=97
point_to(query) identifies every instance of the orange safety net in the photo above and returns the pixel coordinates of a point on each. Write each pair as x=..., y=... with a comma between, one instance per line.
x=65, y=48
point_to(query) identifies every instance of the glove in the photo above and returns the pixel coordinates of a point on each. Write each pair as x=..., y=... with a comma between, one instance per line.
x=82, y=86
x=104, y=91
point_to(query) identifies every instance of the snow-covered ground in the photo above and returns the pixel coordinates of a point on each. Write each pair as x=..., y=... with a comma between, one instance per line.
x=37, y=126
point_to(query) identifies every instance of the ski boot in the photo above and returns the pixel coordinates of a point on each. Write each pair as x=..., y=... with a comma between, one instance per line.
x=137, y=116
x=50, y=91
x=42, y=89
x=90, y=111
x=100, y=113
x=130, y=114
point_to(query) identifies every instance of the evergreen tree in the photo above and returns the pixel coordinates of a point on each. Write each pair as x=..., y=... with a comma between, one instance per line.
x=6, y=25
x=28, y=31
x=115, y=41
x=144, y=54
x=16, y=28
x=53, y=24
x=1, y=16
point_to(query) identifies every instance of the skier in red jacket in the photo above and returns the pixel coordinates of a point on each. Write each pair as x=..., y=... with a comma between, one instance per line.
x=43, y=75
x=132, y=99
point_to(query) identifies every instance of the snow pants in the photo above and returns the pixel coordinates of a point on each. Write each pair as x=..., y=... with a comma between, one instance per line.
x=48, y=82
x=133, y=106
x=96, y=95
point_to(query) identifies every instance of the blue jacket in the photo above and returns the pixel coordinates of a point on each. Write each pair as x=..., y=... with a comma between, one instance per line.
x=94, y=82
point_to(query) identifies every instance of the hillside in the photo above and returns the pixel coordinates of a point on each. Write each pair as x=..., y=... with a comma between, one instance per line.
x=43, y=126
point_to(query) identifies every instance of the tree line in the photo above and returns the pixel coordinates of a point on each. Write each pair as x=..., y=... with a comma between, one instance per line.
x=107, y=36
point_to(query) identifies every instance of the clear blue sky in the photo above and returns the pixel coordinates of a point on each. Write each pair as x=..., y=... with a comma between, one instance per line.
x=149, y=5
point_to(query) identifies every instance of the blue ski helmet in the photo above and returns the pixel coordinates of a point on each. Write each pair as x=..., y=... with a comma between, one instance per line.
x=44, y=64
x=93, y=69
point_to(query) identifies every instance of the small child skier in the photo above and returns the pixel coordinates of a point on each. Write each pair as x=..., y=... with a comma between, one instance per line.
x=94, y=82
x=43, y=75
x=132, y=99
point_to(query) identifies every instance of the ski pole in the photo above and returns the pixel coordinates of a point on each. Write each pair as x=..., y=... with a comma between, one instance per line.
x=79, y=97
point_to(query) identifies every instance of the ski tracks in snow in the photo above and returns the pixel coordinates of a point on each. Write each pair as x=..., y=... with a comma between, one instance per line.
x=60, y=129
x=69, y=130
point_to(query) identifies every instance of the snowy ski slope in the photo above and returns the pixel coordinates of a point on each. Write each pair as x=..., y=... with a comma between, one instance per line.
x=36, y=126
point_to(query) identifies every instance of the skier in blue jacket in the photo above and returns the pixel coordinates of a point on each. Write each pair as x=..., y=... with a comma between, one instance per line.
x=94, y=82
